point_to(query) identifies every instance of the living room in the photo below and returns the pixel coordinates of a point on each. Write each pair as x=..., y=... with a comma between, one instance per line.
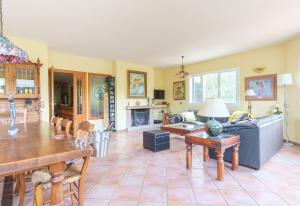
x=178, y=103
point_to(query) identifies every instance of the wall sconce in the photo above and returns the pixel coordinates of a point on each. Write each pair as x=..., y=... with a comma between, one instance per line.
x=259, y=69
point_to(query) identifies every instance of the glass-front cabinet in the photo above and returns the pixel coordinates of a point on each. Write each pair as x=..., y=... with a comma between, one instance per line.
x=4, y=80
x=21, y=80
x=25, y=81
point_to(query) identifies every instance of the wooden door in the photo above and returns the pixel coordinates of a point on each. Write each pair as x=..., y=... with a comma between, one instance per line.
x=79, y=99
x=51, y=91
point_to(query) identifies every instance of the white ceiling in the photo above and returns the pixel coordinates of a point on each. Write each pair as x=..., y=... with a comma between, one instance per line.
x=153, y=32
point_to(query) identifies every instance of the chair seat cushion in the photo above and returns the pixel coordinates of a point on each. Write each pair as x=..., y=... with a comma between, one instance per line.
x=71, y=174
x=40, y=177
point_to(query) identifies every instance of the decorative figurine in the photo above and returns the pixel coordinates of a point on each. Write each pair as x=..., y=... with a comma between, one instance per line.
x=12, y=110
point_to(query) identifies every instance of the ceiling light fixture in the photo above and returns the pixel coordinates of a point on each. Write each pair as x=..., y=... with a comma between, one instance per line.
x=182, y=74
x=9, y=53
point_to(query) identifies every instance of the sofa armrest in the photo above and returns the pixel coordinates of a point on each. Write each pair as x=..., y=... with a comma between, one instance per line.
x=271, y=139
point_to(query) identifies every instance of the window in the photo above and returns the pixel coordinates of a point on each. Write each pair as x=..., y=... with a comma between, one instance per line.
x=222, y=84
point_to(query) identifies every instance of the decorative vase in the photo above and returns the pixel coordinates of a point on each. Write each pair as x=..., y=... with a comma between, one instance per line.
x=213, y=127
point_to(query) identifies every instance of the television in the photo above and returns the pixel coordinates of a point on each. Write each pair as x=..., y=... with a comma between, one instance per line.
x=159, y=94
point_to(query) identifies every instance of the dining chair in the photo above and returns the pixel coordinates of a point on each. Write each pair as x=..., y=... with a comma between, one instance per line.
x=56, y=121
x=86, y=125
x=65, y=125
x=74, y=177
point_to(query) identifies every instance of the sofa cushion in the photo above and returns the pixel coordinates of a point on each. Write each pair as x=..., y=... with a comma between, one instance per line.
x=188, y=116
x=175, y=118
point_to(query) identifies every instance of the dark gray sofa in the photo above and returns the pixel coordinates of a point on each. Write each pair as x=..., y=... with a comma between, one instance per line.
x=261, y=139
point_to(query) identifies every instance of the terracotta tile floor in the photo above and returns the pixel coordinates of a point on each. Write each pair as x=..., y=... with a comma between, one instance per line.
x=130, y=175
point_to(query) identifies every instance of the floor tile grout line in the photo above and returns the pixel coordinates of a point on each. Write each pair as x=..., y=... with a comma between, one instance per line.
x=243, y=188
x=117, y=187
x=227, y=203
x=142, y=186
x=193, y=189
x=275, y=193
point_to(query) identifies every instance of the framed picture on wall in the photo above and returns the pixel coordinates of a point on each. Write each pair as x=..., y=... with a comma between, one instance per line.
x=265, y=87
x=136, y=84
x=179, y=90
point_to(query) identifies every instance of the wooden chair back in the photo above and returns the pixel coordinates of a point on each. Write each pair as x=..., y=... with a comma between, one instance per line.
x=165, y=120
x=65, y=125
x=56, y=121
x=24, y=119
x=25, y=115
x=84, y=166
x=86, y=125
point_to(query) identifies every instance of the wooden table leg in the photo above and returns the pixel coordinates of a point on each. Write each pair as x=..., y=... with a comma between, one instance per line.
x=22, y=188
x=205, y=154
x=220, y=164
x=235, y=157
x=188, y=156
x=57, y=194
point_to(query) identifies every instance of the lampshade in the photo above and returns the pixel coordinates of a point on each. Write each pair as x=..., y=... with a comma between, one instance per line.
x=9, y=53
x=213, y=107
x=250, y=93
x=284, y=79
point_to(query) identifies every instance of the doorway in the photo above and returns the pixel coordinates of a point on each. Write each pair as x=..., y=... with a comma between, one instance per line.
x=63, y=95
x=67, y=95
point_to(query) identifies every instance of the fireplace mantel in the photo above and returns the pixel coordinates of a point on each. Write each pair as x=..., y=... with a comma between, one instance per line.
x=151, y=109
x=146, y=107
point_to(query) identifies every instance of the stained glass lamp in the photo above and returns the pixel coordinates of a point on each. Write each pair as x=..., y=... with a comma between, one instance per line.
x=9, y=53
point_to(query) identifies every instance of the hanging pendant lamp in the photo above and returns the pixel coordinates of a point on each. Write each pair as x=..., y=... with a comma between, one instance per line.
x=182, y=73
x=9, y=53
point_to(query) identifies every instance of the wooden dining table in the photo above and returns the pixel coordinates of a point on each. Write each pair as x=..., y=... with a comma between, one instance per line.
x=36, y=146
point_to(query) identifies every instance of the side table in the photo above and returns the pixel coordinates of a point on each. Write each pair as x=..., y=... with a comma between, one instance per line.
x=219, y=144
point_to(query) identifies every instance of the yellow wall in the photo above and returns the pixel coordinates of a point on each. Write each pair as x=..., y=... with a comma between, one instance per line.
x=270, y=57
x=159, y=81
x=292, y=55
x=61, y=60
x=121, y=88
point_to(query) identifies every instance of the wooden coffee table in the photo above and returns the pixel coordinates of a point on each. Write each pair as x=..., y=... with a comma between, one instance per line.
x=219, y=144
x=183, y=128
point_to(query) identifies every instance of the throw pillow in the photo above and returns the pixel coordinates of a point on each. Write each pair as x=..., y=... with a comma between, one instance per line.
x=188, y=117
x=237, y=116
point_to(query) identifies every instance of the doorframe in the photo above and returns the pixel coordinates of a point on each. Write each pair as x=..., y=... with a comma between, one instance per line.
x=51, y=71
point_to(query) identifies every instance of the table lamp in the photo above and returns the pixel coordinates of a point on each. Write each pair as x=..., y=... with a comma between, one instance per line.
x=250, y=93
x=213, y=107
x=284, y=80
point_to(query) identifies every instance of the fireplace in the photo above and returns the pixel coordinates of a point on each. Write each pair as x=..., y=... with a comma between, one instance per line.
x=140, y=117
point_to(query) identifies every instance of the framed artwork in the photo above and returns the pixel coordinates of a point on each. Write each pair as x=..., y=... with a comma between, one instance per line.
x=136, y=84
x=265, y=87
x=179, y=90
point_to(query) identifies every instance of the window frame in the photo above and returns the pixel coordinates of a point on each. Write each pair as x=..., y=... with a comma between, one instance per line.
x=90, y=76
x=219, y=72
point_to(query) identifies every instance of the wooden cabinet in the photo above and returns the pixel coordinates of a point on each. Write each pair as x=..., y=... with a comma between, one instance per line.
x=4, y=80
x=22, y=80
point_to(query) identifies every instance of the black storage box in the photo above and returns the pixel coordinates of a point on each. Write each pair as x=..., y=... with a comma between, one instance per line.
x=156, y=140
